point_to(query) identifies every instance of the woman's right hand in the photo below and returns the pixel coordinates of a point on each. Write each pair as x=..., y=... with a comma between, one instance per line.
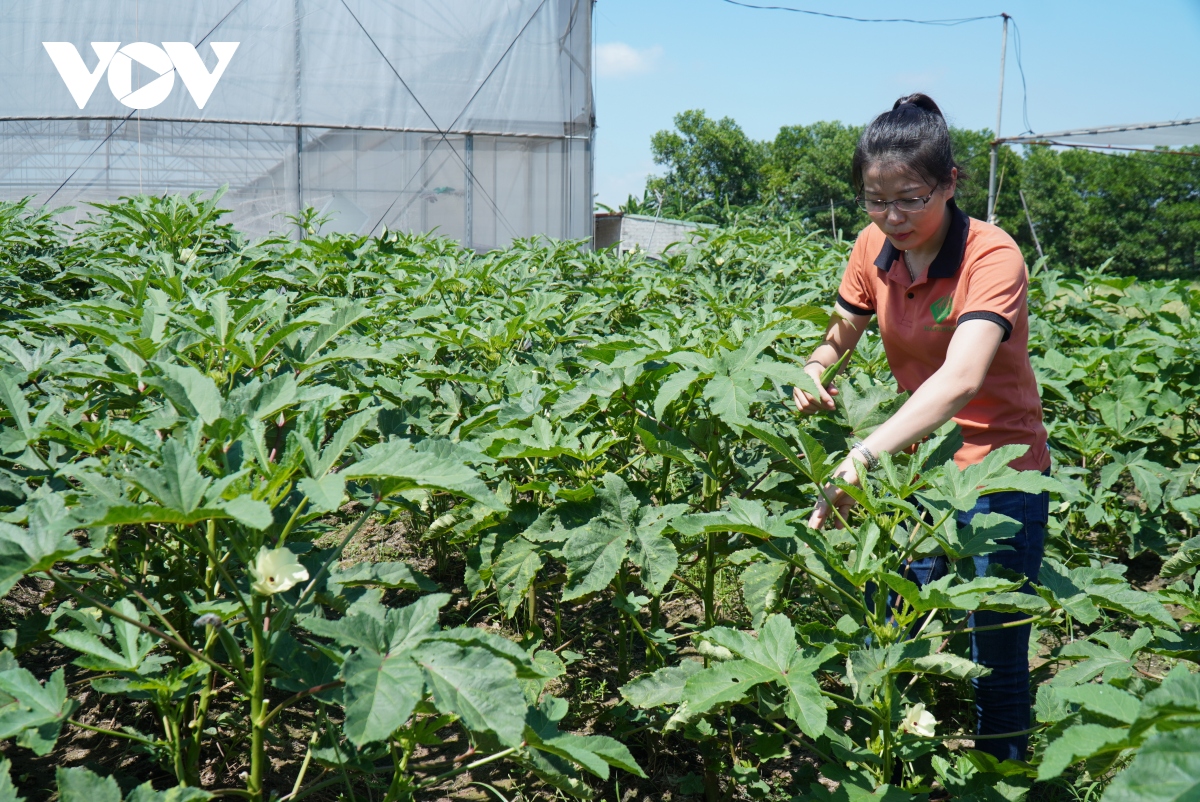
x=805, y=403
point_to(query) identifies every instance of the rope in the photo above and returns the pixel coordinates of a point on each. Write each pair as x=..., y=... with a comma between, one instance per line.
x=442, y=134
x=937, y=22
x=940, y=22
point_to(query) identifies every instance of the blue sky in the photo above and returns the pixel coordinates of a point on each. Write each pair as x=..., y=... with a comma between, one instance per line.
x=1086, y=63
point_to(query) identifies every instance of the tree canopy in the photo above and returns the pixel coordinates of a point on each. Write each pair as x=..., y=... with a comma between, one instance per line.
x=1141, y=209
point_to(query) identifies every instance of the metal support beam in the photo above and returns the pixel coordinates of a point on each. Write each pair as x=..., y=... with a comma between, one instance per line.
x=469, y=192
x=991, y=205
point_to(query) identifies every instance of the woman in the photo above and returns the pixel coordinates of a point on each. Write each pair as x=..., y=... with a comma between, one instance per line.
x=950, y=295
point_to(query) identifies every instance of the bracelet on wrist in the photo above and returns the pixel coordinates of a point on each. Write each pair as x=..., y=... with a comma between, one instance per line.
x=870, y=460
x=815, y=362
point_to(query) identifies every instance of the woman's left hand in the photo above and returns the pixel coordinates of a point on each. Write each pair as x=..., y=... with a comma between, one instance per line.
x=834, y=498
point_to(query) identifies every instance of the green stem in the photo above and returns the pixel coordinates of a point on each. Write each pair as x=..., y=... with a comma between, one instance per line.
x=973, y=736
x=710, y=579
x=285, y=620
x=111, y=733
x=687, y=584
x=304, y=765
x=210, y=571
x=291, y=700
x=258, y=751
x=622, y=633
x=198, y=721
x=531, y=608
x=886, y=726
x=798, y=563
x=848, y=701
x=1010, y=625
x=223, y=572
x=664, y=479
x=99, y=605
x=915, y=544
x=439, y=779
x=800, y=741
x=177, y=746
x=291, y=522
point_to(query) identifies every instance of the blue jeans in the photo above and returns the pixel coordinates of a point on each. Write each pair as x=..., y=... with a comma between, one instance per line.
x=1002, y=701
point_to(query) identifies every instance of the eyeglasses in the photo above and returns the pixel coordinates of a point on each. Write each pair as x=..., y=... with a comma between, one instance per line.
x=906, y=205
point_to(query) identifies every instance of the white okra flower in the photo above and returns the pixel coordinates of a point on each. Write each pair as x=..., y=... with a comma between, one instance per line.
x=275, y=570
x=918, y=721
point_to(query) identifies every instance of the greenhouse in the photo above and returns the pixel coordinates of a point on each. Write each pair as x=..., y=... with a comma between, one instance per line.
x=474, y=120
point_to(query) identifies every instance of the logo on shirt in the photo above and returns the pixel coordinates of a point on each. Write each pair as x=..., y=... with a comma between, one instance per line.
x=941, y=308
x=160, y=63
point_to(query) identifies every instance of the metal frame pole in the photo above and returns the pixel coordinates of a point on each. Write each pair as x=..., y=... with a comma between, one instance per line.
x=991, y=206
x=469, y=194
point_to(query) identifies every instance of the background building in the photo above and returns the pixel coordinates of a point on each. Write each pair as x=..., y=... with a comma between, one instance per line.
x=471, y=118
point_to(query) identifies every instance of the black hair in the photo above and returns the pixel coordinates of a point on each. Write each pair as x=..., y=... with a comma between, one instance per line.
x=913, y=134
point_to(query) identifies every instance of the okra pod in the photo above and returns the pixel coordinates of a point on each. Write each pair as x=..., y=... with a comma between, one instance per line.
x=831, y=371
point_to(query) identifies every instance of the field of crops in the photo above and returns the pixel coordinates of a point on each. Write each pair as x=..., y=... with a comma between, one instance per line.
x=383, y=519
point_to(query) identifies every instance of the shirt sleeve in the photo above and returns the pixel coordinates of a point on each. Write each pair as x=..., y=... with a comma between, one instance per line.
x=856, y=293
x=997, y=288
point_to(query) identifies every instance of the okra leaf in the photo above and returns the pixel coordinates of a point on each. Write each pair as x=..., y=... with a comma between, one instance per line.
x=384, y=575
x=594, y=752
x=146, y=793
x=1166, y=769
x=594, y=554
x=1174, y=704
x=406, y=469
x=476, y=686
x=81, y=785
x=944, y=665
x=730, y=400
x=39, y=711
x=942, y=594
x=176, y=483
x=720, y=684
x=7, y=791
x=663, y=687
x=192, y=392
x=380, y=694
x=747, y=516
x=249, y=512
x=655, y=555
x=24, y=551
x=1079, y=742
x=1106, y=700
x=671, y=389
x=762, y=587
x=514, y=571
x=1184, y=559
x=325, y=494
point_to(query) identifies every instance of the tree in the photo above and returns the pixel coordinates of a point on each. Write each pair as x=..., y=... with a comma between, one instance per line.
x=808, y=168
x=1140, y=209
x=709, y=162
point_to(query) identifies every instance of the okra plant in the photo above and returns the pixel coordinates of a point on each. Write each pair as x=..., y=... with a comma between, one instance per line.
x=373, y=516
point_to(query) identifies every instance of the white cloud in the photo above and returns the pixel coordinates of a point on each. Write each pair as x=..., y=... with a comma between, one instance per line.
x=619, y=60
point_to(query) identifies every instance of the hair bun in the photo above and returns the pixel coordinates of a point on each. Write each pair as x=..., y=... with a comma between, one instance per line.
x=921, y=101
x=913, y=135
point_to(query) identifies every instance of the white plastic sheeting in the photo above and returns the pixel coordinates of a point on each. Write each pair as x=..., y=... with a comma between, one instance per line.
x=474, y=118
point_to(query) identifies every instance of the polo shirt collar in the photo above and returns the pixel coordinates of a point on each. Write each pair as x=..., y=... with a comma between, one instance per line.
x=950, y=256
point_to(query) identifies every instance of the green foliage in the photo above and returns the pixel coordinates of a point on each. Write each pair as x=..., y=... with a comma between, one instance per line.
x=709, y=162
x=1137, y=209
x=221, y=458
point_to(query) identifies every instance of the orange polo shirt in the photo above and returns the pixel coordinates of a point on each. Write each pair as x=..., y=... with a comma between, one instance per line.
x=979, y=273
